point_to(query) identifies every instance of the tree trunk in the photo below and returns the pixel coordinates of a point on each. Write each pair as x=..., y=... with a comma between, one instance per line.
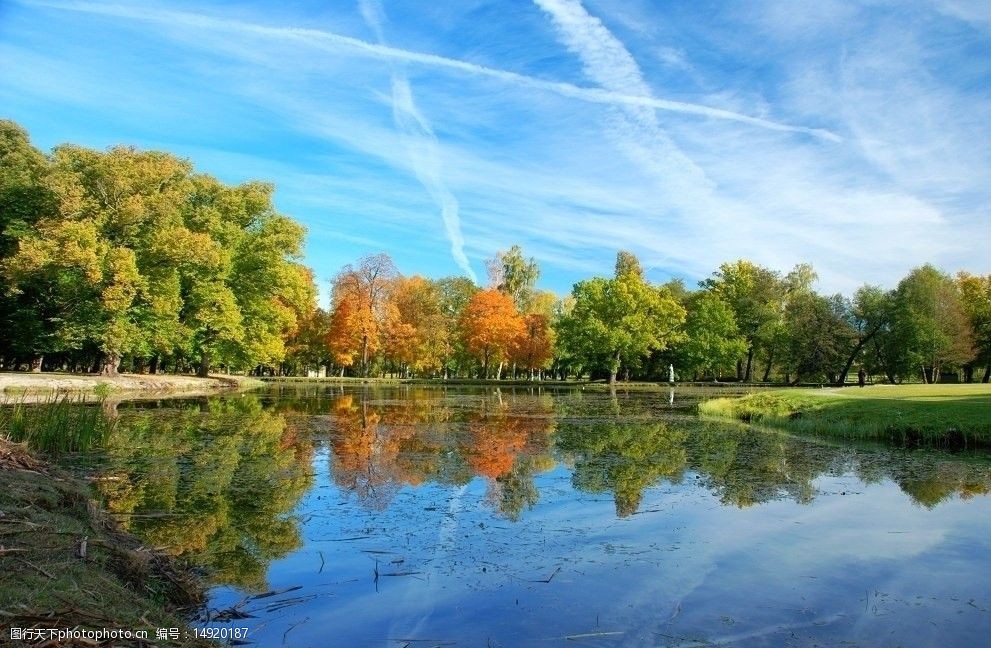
x=987, y=374
x=204, y=369
x=364, y=356
x=36, y=364
x=739, y=371
x=750, y=361
x=109, y=407
x=614, y=369
x=110, y=363
x=849, y=362
x=153, y=365
x=767, y=369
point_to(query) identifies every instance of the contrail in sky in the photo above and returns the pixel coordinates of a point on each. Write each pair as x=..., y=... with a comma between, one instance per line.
x=635, y=129
x=422, y=146
x=324, y=39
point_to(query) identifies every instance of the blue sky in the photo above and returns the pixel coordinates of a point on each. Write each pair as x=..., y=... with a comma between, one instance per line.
x=855, y=136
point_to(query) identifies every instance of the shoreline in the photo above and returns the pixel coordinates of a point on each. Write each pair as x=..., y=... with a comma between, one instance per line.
x=65, y=564
x=31, y=387
x=478, y=382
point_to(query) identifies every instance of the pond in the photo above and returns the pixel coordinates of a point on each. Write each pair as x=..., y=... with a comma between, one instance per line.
x=406, y=516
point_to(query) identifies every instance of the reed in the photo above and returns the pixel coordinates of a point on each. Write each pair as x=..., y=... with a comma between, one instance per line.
x=63, y=423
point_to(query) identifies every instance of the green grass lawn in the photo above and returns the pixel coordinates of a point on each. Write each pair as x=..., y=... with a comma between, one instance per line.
x=928, y=414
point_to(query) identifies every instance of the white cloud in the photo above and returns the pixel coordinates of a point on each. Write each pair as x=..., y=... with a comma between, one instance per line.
x=422, y=146
x=570, y=172
x=324, y=39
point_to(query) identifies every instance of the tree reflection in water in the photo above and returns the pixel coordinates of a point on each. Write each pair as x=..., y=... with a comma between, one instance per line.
x=380, y=446
x=212, y=482
x=216, y=481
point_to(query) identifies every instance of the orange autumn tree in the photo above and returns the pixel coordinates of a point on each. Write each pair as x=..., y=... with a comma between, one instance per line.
x=490, y=326
x=353, y=329
x=414, y=333
x=534, y=348
x=359, y=297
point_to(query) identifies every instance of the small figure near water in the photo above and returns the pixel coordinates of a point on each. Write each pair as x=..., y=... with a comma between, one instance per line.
x=861, y=377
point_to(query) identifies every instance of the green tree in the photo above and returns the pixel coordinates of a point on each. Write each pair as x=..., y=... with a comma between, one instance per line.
x=25, y=196
x=306, y=346
x=755, y=295
x=931, y=330
x=111, y=205
x=869, y=315
x=627, y=262
x=139, y=259
x=712, y=338
x=619, y=319
x=513, y=274
x=773, y=336
x=975, y=291
x=819, y=335
x=455, y=293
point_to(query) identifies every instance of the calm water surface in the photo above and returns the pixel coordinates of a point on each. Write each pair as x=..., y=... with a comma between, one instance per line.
x=422, y=517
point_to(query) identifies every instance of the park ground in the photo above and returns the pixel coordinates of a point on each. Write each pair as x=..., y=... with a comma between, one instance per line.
x=42, y=384
x=941, y=414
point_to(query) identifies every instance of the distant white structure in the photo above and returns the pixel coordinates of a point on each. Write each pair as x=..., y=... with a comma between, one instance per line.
x=670, y=373
x=317, y=373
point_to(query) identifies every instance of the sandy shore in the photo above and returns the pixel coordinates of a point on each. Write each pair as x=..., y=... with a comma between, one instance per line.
x=45, y=383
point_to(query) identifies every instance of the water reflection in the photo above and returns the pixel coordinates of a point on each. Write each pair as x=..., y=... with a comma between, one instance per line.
x=380, y=446
x=222, y=481
x=612, y=446
x=213, y=482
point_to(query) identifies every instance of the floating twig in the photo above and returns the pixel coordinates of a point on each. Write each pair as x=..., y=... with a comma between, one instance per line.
x=275, y=592
x=548, y=579
x=588, y=635
x=291, y=628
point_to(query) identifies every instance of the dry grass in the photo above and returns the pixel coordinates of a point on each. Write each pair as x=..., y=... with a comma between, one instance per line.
x=47, y=579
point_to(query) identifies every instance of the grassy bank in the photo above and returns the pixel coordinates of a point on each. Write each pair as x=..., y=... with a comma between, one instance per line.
x=909, y=414
x=63, y=563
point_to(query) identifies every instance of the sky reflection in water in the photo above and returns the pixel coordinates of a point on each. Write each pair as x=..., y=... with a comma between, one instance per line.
x=525, y=517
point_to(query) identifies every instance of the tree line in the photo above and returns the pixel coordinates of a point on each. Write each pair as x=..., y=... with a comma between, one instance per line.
x=128, y=259
x=745, y=323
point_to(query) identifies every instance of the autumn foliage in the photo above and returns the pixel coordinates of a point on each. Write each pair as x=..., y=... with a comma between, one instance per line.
x=491, y=327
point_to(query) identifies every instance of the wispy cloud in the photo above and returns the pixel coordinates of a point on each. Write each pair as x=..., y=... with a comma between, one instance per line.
x=635, y=128
x=352, y=130
x=321, y=38
x=422, y=146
